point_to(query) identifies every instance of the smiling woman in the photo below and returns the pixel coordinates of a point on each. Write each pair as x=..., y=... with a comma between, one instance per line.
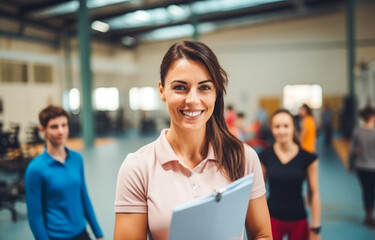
x=187, y=159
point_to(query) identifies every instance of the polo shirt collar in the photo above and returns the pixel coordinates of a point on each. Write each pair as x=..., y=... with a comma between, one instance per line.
x=51, y=160
x=165, y=153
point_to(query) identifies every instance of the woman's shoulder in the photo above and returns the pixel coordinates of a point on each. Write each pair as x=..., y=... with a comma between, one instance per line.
x=136, y=165
x=251, y=157
x=249, y=151
x=308, y=156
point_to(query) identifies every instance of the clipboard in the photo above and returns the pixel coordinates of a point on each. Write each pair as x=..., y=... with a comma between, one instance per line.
x=220, y=215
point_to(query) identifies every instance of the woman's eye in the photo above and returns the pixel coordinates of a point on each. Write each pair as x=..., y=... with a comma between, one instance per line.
x=179, y=87
x=205, y=87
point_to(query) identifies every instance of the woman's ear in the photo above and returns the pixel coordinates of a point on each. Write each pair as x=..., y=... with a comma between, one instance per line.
x=161, y=91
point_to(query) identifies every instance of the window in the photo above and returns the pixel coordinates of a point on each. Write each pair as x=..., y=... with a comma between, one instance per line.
x=106, y=99
x=12, y=72
x=42, y=73
x=296, y=95
x=145, y=98
x=74, y=100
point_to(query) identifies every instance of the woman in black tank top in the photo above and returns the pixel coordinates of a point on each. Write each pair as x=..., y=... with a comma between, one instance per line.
x=286, y=166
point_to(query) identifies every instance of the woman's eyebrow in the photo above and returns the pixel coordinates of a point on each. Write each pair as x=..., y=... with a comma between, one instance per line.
x=179, y=81
x=205, y=81
x=199, y=83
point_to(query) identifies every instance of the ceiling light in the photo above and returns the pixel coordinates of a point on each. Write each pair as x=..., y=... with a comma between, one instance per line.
x=142, y=15
x=175, y=10
x=128, y=41
x=100, y=26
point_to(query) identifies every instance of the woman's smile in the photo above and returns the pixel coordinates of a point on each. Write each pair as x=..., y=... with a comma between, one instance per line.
x=192, y=113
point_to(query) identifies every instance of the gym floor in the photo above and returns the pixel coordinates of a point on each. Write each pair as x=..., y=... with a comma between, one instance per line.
x=342, y=212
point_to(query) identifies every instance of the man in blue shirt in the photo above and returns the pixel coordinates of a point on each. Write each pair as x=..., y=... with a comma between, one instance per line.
x=58, y=203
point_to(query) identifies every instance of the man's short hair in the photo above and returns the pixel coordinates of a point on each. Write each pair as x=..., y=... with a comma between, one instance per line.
x=50, y=112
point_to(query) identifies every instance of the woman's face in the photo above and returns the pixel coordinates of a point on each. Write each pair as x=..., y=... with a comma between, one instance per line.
x=302, y=111
x=189, y=93
x=282, y=128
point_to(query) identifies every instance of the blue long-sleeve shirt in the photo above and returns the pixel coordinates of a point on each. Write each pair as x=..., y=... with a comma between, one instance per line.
x=58, y=204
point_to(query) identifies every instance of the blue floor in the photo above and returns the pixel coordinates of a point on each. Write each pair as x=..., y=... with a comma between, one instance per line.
x=342, y=212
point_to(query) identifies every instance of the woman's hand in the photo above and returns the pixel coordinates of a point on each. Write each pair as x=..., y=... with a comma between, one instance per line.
x=314, y=236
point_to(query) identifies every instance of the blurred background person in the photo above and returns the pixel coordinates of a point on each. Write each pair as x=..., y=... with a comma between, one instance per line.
x=147, y=123
x=327, y=121
x=362, y=160
x=286, y=166
x=240, y=129
x=262, y=116
x=230, y=117
x=307, y=135
x=58, y=203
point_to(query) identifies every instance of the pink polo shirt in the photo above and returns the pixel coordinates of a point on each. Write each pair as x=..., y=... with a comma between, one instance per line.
x=154, y=180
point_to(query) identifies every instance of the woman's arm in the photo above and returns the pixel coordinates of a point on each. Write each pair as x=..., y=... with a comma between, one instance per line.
x=130, y=226
x=258, y=224
x=314, y=196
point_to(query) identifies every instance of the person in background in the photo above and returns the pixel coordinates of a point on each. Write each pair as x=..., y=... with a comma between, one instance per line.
x=194, y=156
x=230, y=118
x=261, y=115
x=362, y=160
x=147, y=124
x=286, y=166
x=327, y=118
x=58, y=203
x=240, y=129
x=262, y=137
x=307, y=135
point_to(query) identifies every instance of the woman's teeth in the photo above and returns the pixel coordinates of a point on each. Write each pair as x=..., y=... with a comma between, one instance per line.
x=192, y=114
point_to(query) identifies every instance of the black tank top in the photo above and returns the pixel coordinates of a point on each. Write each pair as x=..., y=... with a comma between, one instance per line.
x=285, y=201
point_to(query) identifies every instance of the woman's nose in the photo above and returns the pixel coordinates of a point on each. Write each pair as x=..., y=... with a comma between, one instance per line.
x=192, y=97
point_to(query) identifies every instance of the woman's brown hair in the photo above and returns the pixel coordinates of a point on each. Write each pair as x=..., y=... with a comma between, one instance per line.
x=307, y=109
x=232, y=159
